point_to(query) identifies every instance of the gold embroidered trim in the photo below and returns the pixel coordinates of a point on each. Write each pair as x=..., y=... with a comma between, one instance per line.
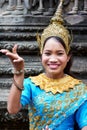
x=55, y=85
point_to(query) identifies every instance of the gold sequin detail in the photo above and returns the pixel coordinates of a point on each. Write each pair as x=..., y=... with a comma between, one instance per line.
x=55, y=85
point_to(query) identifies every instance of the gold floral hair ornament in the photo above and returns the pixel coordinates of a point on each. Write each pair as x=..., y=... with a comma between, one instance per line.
x=56, y=28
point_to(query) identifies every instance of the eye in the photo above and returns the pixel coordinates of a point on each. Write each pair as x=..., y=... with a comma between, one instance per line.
x=47, y=53
x=60, y=53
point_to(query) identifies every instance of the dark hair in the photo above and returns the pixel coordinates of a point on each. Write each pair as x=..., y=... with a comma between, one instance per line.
x=69, y=64
x=58, y=39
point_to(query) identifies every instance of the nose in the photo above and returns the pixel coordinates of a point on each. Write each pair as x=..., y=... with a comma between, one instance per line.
x=53, y=59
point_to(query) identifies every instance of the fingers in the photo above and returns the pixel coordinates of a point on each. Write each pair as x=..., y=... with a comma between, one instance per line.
x=4, y=51
x=46, y=128
x=18, y=60
x=14, y=49
x=7, y=52
x=12, y=55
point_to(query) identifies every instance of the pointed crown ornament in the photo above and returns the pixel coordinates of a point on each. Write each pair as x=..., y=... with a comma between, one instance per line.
x=56, y=28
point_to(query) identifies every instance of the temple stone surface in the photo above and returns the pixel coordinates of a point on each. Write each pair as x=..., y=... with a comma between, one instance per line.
x=19, y=24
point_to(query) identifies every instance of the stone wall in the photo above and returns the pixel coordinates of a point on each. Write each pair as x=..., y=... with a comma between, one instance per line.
x=20, y=25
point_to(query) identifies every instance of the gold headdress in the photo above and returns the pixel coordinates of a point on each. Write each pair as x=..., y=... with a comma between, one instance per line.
x=56, y=28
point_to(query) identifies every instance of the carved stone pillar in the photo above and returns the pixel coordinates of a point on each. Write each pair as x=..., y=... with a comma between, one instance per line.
x=19, y=5
x=40, y=8
x=13, y=8
x=85, y=8
x=27, y=6
x=19, y=8
x=85, y=5
x=51, y=4
x=50, y=9
x=75, y=8
x=11, y=5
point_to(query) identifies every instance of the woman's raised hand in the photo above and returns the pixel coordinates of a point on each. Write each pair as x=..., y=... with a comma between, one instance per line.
x=17, y=61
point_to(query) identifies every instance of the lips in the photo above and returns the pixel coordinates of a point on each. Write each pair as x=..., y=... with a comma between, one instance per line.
x=53, y=66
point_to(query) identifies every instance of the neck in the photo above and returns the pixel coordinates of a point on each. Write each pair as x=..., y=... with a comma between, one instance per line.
x=55, y=76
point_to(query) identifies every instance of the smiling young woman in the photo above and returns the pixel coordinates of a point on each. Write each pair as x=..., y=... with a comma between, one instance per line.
x=54, y=57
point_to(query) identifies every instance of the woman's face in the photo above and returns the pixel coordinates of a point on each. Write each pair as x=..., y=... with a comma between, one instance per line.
x=54, y=58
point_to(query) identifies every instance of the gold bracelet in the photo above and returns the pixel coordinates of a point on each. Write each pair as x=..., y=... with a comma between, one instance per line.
x=18, y=72
x=19, y=88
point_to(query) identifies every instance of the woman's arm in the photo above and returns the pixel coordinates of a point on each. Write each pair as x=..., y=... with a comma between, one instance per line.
x=13, y=104
x=81, y=116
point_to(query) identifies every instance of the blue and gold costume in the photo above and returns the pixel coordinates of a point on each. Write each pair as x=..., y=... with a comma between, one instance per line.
x=56, y=103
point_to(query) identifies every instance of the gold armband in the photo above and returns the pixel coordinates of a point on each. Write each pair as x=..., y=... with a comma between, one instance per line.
x=19, y=88
x=18, y=72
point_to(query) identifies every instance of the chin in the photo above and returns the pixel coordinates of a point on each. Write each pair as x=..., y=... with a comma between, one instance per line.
x=54, y=73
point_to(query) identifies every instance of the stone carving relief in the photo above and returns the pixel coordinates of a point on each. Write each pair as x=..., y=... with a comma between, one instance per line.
x=14, y=7
x=42, y=10
x=1, y=3
x=75, y=9
x=40, y=7
x=77, y=13
x=35, y=7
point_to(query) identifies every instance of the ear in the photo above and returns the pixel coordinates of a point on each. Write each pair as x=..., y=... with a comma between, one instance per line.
x=68, y=58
